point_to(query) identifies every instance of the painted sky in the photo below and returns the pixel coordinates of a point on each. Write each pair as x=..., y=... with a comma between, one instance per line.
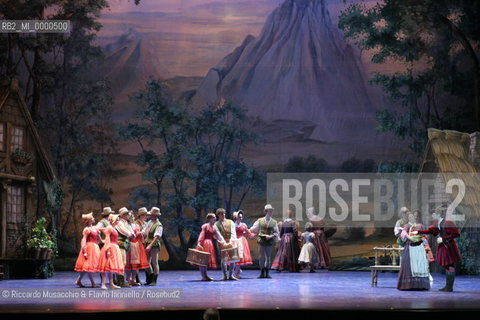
x=191, y=36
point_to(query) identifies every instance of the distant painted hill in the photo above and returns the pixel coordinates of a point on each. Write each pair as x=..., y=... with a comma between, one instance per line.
x=298, y=69
x=129, y=61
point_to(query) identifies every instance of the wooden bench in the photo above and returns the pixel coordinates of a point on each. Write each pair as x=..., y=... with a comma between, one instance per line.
x=378, y=267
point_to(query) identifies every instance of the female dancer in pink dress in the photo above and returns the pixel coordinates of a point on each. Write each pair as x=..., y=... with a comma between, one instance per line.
x=111, y=260
x=89, y=254
x=136, y=256
x=205, y=243
x=242, y=244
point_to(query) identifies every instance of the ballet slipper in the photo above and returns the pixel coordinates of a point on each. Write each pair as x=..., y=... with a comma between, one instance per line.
x=79, y=283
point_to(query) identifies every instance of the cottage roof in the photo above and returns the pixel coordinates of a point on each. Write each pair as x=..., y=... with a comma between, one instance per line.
x=447, y=153
x=11, y=88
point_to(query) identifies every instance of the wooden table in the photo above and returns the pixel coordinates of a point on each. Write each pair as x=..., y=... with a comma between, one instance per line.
x=378, y=267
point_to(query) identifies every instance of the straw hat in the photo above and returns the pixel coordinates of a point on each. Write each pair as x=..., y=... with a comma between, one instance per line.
x=142, y=211
x=122, y=211
x=113, y=217
x=155, y=212
x=268, y=207
x=107, y=211
x=87, y=216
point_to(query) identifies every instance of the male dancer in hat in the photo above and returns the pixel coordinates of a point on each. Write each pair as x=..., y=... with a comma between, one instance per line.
x=142, y=223
x=447, y=250
x=226, y=235
x=103, y=224
x=125, y=234
x=153, y=232
x=267, y=230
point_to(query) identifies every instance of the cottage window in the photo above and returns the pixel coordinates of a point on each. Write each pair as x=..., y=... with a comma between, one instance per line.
x=14, y=204
x=17, y=138
x=2, y=137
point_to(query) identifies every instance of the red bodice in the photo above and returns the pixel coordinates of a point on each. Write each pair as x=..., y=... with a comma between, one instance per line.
x=208, y=232
x=92, y=235
x=240, y=230
x=114, y=236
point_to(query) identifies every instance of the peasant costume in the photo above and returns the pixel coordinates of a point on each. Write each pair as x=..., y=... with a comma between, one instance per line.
x=309, y=253
x=205, y=239
x=113, y=262
x=137, y=256
x=414, y=273
x=242, y=244
x=89, y=254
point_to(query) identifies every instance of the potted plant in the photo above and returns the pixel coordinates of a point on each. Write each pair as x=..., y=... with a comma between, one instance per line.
x=41, y=243
x=34, y=246
x=22, y=157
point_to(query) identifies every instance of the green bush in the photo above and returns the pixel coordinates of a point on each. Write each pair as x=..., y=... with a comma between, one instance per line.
x=469, y=250
x=355, y=165
x=306, y=164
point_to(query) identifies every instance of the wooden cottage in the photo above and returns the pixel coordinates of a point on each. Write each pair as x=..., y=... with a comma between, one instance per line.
x=23, y=165
x=450, y=153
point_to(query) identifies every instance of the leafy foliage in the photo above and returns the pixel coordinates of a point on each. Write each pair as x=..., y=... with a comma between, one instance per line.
x=193, y=161
x=309, y=163
x=356, y=165
x=434, y=46
x=398, y=167
x=469, y=248
x=70, y=104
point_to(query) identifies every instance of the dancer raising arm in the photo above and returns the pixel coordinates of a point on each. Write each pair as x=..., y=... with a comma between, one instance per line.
x=447, y=250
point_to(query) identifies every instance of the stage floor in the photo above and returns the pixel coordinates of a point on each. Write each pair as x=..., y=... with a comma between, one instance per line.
x=320, y=290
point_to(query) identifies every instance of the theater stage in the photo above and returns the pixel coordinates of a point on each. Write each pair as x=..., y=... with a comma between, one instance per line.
x=321, y=290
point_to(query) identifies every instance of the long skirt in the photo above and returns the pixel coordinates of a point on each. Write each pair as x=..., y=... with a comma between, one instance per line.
x=89, y=263
x=113, y=263
x=323, y=248
x=208, y=247
x=244, y=252
x=137, y=257
x=287, y=254
x=406, y=279
x=309, y=254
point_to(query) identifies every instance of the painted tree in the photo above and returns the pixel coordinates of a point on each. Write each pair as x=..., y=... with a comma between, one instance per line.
x=70, y=106
x=434, y=46
x=193, y=162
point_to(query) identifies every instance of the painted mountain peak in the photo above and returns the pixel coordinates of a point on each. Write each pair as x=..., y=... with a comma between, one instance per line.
x=130, y=60
x=297, y=69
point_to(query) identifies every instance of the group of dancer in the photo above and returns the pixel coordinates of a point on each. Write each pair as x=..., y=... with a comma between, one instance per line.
x=411, y=235
x=120, y=245
x=315, y=251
